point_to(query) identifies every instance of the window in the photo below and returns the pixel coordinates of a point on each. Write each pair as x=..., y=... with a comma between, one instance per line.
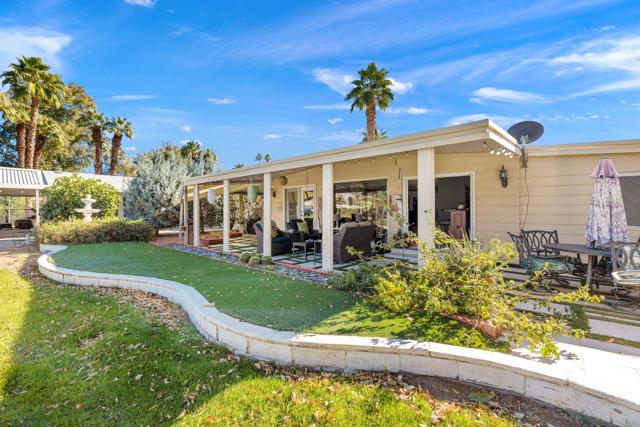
x=630, y=185
x=361, y=200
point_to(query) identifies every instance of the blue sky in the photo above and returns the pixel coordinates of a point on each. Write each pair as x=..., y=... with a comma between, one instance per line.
x=270, y=76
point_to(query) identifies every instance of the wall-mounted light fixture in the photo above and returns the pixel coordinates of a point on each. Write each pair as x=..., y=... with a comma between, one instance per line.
x=504, y=177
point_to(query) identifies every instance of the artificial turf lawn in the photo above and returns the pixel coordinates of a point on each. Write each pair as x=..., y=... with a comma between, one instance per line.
x=267, y=299
x=71, y=357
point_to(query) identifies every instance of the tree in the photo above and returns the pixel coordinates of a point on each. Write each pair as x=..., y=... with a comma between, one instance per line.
x=8, y=154
x=260, y=157
x=66, y=193
x=48, y=129
x=29, y=80
x=154, y=195
x=96, y=122
x=16, y=113
x=191, y=149
x=380, y=134
x=119, y=127
x=372, y=89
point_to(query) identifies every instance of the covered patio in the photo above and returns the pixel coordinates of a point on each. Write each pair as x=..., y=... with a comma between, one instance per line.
x=368, y=188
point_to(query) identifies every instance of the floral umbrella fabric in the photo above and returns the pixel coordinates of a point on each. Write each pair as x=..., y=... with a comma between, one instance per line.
x=607, y=220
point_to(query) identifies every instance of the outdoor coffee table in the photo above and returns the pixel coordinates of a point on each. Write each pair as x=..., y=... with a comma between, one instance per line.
x=629, y=279
x=592, y=255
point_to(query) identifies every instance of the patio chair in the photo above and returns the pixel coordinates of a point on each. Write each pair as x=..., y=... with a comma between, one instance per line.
x=298, y=233
x=536, y=239
x=357, y=235
x=625, y=263
x=280, y=243
x=545, y=266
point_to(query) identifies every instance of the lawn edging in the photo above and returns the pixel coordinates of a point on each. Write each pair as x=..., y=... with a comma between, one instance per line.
x=593, y=382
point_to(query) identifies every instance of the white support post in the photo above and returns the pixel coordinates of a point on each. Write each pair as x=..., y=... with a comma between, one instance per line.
x=196, y=215
x=426, y=195
x=226, y=218
x=38, y=207
x=266, y=214
x=327, y=217
x=185, y=212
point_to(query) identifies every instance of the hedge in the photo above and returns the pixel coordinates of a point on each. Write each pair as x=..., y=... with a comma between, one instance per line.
x=97, y=231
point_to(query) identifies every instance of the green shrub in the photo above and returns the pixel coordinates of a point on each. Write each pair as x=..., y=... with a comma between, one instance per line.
x=362, y=278
x=465, y=278
x=266, y=260
x=97, y=231
x=66, y=193
x=245, y=257
x=254, y=260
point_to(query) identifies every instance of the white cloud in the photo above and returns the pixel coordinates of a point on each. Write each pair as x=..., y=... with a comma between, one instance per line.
x=143, y=3
x=401, y=88
x=32, y=41
x=334, y=79
x=186, y=128
x=271, y=136
x=343, y=136
x=223, y=101
x=335, y=120
x=610, y=55
x=412, y=111
x=327, y=107
x=504, y=121
x=132, y=97
x=505, y=95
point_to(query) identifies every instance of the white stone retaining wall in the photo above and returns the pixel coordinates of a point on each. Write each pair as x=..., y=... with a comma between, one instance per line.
x=608, y=396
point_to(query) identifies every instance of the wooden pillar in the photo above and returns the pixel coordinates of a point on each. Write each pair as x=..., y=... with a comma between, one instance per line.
x=327, y=217
x=266, y=214
x=426, y=195
x=196, y=215
x=226, y=218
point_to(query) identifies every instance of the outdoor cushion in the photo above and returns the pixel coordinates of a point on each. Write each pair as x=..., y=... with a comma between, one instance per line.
x=280, y=239
x=551, y=264
x=303, y=226
x=274, y=229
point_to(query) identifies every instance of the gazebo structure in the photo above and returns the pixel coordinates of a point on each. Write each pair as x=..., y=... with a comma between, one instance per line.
x=30, y=183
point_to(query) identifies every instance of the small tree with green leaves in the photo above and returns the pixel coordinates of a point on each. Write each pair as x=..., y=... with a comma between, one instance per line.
x=66, y=194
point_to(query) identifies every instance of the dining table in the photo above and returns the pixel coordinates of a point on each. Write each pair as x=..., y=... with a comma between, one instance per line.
x=591, y=253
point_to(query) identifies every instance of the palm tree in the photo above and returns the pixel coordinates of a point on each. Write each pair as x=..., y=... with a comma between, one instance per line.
x=119, y=127
x=30, y=81
x=48, y=129
x=18, y=114
x=380, y=134
x=191, y=150
x=96, y=122
x=371, y=89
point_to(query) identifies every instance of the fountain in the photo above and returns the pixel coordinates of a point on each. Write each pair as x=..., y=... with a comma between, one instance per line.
x=87, y=210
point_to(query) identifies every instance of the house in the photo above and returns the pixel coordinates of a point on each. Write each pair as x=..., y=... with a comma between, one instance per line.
x=446, y=177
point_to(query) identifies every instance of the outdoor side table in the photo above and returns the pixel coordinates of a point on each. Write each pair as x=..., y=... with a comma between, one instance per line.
x=629, y=279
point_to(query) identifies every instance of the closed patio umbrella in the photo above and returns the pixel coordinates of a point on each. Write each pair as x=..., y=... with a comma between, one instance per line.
x=607, y=220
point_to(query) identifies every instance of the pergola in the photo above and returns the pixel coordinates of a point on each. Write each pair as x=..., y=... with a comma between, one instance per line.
x=16, y=182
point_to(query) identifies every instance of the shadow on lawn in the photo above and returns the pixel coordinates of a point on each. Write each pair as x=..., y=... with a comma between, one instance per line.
x=80, y=358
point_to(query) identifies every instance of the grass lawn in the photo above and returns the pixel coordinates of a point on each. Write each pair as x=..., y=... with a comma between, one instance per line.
x=268, y=299
x=73, y=357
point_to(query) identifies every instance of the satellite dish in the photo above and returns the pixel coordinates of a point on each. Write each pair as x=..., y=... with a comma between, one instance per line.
x=526, y=132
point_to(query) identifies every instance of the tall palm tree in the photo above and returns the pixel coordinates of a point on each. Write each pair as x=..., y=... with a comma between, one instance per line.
x=191, y=150
x=30, y=81
x=380, y=134
x=119, y=127
x=18, y=114
x=95, y=121
x=48, y=129
x=372, y=89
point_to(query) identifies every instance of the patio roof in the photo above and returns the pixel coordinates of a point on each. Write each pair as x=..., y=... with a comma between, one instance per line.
x=460, y=138
x=25, y=182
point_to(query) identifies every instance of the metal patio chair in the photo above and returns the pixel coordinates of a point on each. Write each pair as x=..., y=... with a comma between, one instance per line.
x=535, y=263
x=558, y=263
x=625, y=263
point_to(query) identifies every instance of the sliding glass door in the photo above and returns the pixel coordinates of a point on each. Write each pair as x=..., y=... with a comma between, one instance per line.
x=300, y=203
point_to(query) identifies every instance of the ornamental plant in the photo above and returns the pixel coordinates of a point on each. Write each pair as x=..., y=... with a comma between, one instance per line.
x=464, y=279
x=66, y=193
x=97, y=231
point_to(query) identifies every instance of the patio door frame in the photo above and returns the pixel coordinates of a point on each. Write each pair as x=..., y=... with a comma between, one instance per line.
x=472, y=190
x=300, y=198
